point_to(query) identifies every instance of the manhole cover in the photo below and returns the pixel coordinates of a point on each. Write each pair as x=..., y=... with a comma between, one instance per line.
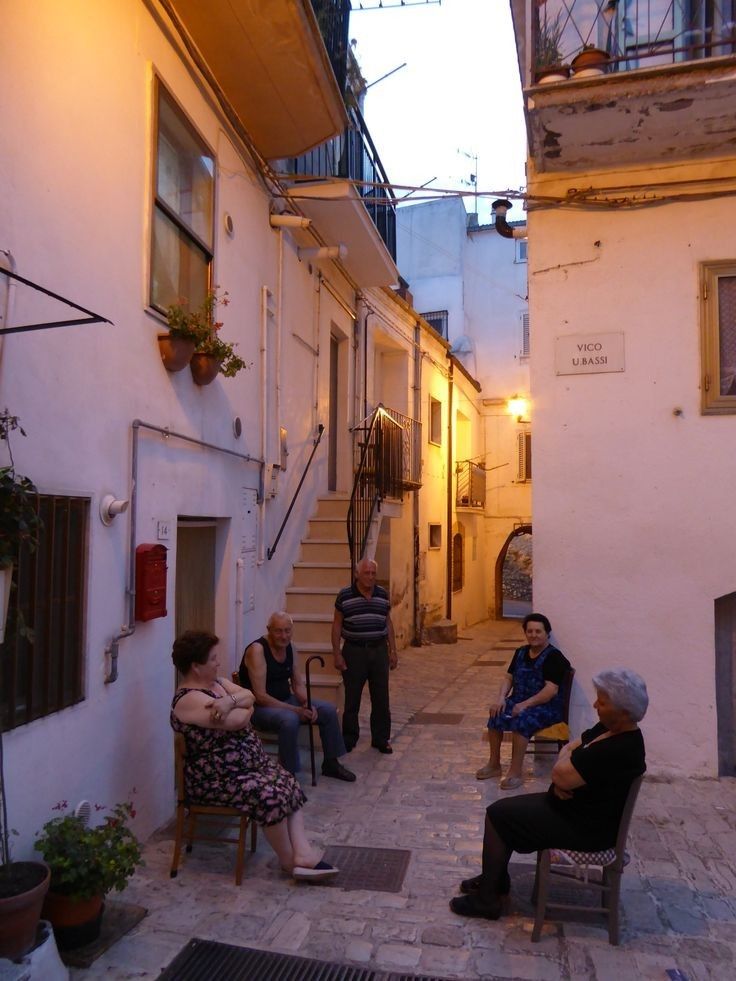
x=435, y=719
x=377, y=869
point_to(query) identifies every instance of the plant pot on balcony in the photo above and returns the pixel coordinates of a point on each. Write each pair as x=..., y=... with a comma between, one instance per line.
x=176, y=352
x=23, y=886
x=589, y=62
x=205, y=368
x=546, y=74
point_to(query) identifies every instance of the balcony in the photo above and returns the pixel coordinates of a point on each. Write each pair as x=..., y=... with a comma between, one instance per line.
x=662, y=88
x=471, y=485
x=341, y=210
x=268, y=60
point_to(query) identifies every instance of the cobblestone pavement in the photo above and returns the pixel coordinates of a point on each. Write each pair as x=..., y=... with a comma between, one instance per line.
x=679, y=891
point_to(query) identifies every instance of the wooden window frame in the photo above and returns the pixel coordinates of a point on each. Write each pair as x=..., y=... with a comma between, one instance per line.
x=712, y=402
x=524, y=448
x=435, y=406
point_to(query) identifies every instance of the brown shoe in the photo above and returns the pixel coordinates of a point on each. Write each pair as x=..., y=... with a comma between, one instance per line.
x=488, y=771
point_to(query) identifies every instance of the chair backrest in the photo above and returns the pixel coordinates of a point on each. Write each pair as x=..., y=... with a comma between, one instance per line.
x=180, y=751
x=566, y=692
x=626, y=815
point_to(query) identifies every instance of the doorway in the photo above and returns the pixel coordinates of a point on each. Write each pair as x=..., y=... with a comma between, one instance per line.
x=514, y=575
x=195, y=576
x=725, y=621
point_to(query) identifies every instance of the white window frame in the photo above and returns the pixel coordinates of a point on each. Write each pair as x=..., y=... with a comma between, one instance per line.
x=712, y=401
x=521, y=250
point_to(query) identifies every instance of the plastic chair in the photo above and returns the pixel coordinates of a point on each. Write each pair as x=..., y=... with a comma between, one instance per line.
x=188, y=813
x=575, y=875
x=553, y=738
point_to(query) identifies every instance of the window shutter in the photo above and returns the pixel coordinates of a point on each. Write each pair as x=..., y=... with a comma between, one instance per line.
x=525, y=348
x=525, y=457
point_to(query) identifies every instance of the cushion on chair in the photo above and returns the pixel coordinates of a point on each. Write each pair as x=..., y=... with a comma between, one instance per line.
x=560, y=731
x=580, y=863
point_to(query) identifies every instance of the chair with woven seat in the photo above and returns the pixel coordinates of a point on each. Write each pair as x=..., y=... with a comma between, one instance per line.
x=188, y=813
x=575, y=868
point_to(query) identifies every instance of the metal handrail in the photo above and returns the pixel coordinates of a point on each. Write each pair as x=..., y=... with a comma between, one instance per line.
x=378, y=475
x=270, y=551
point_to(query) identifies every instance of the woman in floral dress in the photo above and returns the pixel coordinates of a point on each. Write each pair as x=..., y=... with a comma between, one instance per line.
x=225, y=761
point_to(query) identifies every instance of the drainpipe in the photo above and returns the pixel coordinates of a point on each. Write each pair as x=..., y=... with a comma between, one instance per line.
x=450, y=474
x=416, y=412
x=264, y=420
x=499, y=208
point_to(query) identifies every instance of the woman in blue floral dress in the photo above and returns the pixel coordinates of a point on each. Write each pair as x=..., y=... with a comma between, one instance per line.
x=225, y=761
x=530, y=699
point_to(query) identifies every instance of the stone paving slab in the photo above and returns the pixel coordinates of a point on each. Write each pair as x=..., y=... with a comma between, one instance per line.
x=679, y=909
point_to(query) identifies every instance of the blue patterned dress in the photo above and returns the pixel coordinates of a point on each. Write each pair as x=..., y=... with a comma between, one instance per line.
x=528, y=681
x=231, y=767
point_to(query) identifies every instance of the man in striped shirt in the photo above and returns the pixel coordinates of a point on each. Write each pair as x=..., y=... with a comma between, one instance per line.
x=363, y=622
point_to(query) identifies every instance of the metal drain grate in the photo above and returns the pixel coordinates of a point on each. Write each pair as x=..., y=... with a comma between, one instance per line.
x=203, y=960
x=435, y=719
x=377, y=869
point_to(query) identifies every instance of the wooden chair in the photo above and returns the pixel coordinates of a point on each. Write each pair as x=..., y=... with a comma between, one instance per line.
x=188, y=813
x=607, y=866
x=551, y=740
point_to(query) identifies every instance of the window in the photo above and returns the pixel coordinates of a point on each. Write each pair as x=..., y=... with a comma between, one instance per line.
x=525, y=348
x=435, y=536
x=435, y=421
x=718, y=337
x=520, y=254
x=457, y=562
x=183, y=208
x=437, y=320
x=524, y=472
x=41, y=663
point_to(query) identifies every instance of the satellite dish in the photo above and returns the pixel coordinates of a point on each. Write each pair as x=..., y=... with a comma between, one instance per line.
x=83, y=811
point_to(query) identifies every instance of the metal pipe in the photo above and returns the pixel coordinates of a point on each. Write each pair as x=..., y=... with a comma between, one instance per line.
x=450, y=474
x=417, y=404
x=499, y=208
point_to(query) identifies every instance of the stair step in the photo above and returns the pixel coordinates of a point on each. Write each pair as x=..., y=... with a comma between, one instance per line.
x=306, y=590
x=312, y=618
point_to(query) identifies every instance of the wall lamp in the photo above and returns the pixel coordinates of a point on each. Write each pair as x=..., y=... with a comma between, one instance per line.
x=325, y=252
x=518, y=406
x=289, y=221
x=110, y=508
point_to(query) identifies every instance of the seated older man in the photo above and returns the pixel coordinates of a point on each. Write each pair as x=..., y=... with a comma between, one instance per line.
x=271, y=669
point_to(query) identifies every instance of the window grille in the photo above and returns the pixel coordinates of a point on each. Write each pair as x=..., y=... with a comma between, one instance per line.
x=525, y=341
x=525, y=457
x=41, y=663
x=437, y=320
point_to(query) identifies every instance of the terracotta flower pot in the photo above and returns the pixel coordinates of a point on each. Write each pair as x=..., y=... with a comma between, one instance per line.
x=176, y=352
x=76, y=922
x=20, y=912
x=205, y=368
x=551, y=73
x=590, y=61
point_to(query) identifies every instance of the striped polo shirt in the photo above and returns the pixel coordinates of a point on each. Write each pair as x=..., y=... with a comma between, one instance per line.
x=363, y=619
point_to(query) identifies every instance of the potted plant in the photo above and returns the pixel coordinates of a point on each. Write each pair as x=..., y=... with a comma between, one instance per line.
x=590, y=60
x=23, y=885
x=86, y=862
x=548, y=64
x=186, y=328
x=209, y=354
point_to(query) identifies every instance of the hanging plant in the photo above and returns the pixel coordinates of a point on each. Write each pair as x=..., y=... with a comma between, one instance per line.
x=200, y=326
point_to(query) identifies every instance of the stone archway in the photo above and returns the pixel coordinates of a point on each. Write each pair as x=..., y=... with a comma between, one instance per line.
x=501, y=614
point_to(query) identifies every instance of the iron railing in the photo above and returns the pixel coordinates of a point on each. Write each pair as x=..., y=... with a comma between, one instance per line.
x=353, y=155
x=471, y=485
x=333, y=17
x=634, y=33
x=388, y=463
x=315, y=443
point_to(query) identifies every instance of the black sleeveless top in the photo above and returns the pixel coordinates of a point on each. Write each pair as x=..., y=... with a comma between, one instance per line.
x=278, y=676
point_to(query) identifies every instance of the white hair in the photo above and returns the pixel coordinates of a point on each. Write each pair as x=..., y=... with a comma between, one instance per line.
x=279, y=615
x=626, y=689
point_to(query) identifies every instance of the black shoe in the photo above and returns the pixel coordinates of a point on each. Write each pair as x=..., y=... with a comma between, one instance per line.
x=470, y=886
x=383, y=748
x=333, y=768
x=472, y=905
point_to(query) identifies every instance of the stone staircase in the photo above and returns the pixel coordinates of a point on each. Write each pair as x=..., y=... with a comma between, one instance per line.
x=323, y=569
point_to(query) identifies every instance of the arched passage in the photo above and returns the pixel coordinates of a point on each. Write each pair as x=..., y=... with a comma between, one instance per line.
x=513, y=576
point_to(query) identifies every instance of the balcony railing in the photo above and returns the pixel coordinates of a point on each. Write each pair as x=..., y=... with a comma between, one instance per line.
x=353, y=155
x=634, y=33
x=387, y=464
x=471, y=485
x=333, y=17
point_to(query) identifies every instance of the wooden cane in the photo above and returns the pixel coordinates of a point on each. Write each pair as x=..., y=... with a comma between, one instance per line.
x=314, y=657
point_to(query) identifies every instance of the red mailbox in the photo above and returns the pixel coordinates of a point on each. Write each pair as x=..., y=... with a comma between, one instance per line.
x=150, y=582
